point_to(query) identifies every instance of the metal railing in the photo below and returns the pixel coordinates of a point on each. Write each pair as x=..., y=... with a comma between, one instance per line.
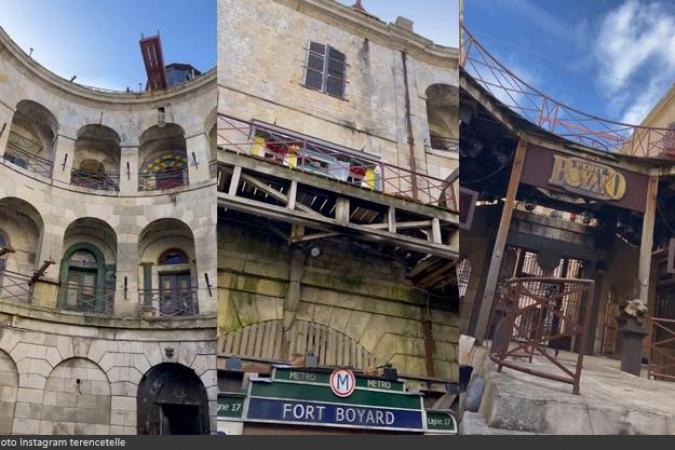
x=95, y=180
x=307, y=154
x=534, y=315
x=27, y=160
x=86, y=299
x=15, y=287
x=163, y=180
x=662, y=349
x=556, y=117
x=168, y=302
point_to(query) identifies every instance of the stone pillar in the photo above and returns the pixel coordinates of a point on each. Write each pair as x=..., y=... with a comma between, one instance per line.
x=129, y=171
x=63, y=159
x=6, y=116
x=126, y=300
x=198, y=155
x=631, y=345
x=206, y=252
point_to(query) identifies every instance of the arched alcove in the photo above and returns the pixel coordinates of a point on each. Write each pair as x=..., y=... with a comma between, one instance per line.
x=32, y=136
x=87, y=270
x=163, y=158
x=96, y=161
x=443, y=116
x=76, y=399
x=168, y=272
x=9, y=385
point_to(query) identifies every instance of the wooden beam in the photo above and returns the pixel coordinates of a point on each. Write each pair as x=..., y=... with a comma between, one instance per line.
x=500, y=242
x=400, y=225
x=647, y=241
x=234, y=181
x=391, y=219
x=6, y=250
x=342, y=210
x=41, y=271
x=276, y=194
x=292, y=194
x=436, y=235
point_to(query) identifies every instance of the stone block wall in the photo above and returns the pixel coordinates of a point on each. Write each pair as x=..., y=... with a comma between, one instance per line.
x=64, y=379
x=347, y=289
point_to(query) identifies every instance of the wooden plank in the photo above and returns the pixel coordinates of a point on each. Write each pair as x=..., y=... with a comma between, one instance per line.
x=436, y=235
x=342, y=210
x=500, y=242
x=647, y=241
x=391, y=219
x=292, y=195
x=259, y=339
x=277, y=195
x=234, y=181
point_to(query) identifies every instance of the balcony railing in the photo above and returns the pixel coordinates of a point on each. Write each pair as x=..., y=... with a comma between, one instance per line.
x=27, y=160
x=306, y=154
x=87, y=299
x=15, y=287
x=95, y=180
x=168, y=302
x=163, y=180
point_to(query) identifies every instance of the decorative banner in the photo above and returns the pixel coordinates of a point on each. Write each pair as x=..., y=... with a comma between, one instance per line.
x=587, y=178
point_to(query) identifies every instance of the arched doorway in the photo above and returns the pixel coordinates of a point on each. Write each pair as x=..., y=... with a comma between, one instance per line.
x=172, y=400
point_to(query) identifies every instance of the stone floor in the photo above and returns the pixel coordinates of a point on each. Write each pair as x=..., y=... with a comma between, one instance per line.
x=611, y=401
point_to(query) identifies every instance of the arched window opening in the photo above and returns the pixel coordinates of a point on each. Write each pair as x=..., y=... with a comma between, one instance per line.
x=4, y=242
x=443, y=117
x=31, y=138
x=81, y=281
x=173, y=256
x=96, y=158
x=163, y=156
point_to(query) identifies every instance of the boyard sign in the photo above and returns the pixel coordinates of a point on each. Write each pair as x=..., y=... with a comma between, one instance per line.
x=587, y=178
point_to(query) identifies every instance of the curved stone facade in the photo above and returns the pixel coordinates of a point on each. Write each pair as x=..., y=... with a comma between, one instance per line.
x=107, y=225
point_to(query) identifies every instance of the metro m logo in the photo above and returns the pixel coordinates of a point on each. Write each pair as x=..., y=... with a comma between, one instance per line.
x=342, y=382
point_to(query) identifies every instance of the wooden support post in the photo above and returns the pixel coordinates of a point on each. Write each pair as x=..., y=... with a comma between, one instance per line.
x=391, y=219
x=234, y=181
x=436, y=235
x=647, y=240
x=342, y=210
x=292, y=195
x=500, y=242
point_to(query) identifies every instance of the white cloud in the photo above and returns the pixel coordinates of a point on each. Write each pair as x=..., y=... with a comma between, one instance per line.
x=635, y=49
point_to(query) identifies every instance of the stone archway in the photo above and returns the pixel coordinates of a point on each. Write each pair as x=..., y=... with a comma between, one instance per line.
x=172, y=399
x=76, y=399
x=9, y=384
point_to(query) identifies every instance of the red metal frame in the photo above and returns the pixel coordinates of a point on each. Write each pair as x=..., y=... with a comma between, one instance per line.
x=556, y=117
x=662, y=349
x=534, y=318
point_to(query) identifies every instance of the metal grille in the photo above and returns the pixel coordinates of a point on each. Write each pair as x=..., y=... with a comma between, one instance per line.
x=662, y=349
x=463, y=276
x=95, y=180
x=27, y=160
x=164, y=180
x=534, y=313
x=15, y=287
x=168, y=302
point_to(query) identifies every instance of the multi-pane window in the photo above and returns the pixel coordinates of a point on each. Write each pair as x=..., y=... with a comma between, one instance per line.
x=326, y=69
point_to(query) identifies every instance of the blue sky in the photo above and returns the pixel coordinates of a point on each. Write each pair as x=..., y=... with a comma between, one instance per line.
x=612, y=58
x=97, y=40
x=434, y=19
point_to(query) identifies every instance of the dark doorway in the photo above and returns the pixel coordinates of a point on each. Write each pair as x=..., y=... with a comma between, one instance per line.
x=172, y=400
x=180, y=419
